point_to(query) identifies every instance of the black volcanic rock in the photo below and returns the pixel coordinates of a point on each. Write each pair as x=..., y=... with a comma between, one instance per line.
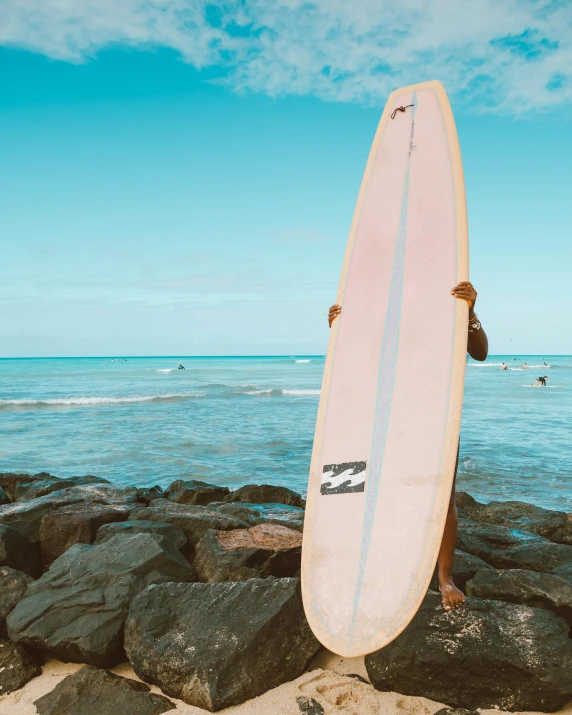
x=487, y=654
x=9, y=481
x=17, y=552
x=13, y=584
x=76, y=611
x=148, y=494
x=265, y=494
x=506, y=548
x=216, y=645
x=41, y=487
x=468, y=505
x=191, y=491
x=192, y=520
x=530, y=588
x=140, y=526
x=465, y=566
x=258, y=552
x=552, y=525
x=309, y=706
x=93, y=691
x=17, y=667
x=564, y=571
x=26, y=516
x=4, y=499
x=76, y=524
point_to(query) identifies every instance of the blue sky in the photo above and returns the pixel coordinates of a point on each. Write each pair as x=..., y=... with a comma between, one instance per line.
x=183, y=183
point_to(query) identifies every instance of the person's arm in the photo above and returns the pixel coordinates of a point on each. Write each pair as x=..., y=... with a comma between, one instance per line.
x=477, y=343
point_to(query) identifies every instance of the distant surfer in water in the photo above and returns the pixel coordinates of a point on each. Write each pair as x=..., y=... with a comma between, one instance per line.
x=541, y=380
x=181, y=366
x=504, y=367
x=478, y=349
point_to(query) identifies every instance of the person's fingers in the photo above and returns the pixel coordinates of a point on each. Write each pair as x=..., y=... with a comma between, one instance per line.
x=464, y=289
x=333, y=313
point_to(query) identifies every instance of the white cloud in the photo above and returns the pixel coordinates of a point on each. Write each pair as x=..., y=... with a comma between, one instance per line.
x=512, y=55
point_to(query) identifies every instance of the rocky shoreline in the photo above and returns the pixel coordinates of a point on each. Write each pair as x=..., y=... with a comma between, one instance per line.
x=197, y=588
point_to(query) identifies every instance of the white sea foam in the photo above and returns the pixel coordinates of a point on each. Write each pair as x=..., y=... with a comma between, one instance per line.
x=90, y=401
x=484, y=364
x=300, y=392
x=277, y=392
x=500, y=364
x=299, y=361
x=167, y=369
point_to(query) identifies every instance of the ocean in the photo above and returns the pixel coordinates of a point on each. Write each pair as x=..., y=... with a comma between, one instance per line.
x=235, y=420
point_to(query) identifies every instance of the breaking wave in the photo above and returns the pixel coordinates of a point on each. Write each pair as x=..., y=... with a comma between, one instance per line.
x=94, y=401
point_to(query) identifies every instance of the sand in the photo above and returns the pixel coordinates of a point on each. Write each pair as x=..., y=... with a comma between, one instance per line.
x=325, y=682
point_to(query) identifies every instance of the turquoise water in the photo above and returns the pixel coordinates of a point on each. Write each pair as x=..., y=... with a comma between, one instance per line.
x=236, y=420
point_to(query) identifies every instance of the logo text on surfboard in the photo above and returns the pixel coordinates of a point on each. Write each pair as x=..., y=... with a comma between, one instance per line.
x=343, y=478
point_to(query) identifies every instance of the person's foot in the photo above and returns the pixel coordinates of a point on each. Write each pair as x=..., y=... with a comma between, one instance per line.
x=452, y=596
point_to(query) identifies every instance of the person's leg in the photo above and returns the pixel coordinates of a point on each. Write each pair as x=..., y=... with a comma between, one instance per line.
x=452, y=596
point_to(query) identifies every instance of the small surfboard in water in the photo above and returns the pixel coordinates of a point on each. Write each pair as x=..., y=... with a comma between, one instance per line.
x=390, y=409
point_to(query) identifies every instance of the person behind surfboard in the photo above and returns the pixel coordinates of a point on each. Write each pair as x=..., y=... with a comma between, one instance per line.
x=478, y=349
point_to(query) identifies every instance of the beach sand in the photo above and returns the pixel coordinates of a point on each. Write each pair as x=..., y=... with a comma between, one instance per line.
x=325, y=681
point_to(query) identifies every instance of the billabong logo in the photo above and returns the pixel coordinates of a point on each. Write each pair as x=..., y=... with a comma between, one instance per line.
x=343, y=478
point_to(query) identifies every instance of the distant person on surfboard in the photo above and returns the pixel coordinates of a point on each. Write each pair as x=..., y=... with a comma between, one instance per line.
x=478, y=348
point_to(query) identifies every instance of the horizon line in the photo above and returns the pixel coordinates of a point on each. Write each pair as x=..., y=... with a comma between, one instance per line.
x=198, y=357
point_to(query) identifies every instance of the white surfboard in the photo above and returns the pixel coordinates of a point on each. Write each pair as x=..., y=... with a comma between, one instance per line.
x=390, y=409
